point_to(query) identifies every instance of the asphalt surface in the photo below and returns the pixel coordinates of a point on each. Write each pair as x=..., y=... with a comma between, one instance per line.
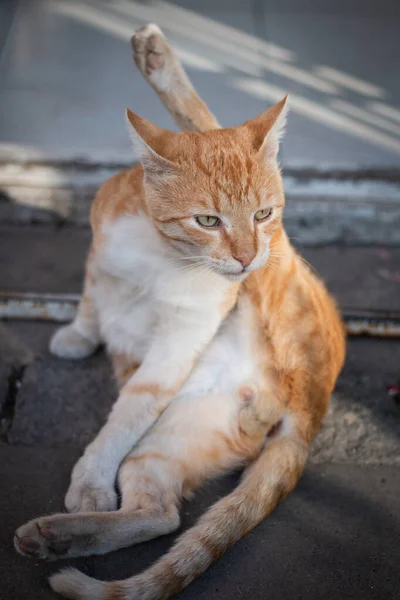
x=335, y=538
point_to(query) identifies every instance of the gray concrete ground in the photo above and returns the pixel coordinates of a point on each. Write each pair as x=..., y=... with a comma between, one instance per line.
x=335, y=538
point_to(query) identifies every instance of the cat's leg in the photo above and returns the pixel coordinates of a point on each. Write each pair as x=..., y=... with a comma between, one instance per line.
x=87, y=491
x=81, y=337
x=150, y=498
x=185, y=447
x=176, y=345
x=124, y=367
x=265, y=483
x=162, y=69
x=84, y=534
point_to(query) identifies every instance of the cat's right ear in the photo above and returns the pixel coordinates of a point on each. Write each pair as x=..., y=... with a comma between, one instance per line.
x=151, y=144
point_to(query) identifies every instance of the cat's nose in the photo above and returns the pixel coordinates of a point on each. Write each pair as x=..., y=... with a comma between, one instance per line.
x=245, y=259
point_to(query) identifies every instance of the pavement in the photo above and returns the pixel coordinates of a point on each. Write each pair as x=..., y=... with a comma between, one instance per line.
x=335, y=538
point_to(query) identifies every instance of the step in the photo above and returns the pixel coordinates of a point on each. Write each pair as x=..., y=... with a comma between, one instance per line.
x=359, y=277
x=323, y=207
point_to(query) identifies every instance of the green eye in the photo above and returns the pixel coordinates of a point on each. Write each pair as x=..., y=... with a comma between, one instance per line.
x=263, y=214
x=208, y=221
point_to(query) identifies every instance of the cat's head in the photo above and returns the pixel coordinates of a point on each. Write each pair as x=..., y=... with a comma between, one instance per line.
x=215, y=196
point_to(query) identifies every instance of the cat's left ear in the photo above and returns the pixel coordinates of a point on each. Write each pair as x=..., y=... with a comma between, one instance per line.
x=151, y=143
x=268, y=128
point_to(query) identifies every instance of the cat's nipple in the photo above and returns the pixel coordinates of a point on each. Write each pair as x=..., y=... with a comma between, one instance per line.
x=247, y=393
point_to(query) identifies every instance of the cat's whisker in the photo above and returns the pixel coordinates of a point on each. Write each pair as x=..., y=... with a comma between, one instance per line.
x=177, y=259
x=190, y=257
x=190, y=267
x=295, y=239
x=187, y=267
x=310, y=265
x=200, y=273
x=273, y=266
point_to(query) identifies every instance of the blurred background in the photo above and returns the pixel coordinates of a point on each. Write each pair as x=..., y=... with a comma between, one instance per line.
x=66, y=77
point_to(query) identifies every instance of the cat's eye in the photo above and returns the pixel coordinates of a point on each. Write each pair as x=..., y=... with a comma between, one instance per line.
x=208, y=221
x=263, y=214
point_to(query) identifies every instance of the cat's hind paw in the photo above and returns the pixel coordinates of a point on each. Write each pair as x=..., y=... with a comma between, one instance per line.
x=258, y=413
x=153, y=56
x=38, y=539
x=67, y=342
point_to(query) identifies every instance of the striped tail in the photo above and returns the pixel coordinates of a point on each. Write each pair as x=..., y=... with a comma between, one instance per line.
x=265, y=483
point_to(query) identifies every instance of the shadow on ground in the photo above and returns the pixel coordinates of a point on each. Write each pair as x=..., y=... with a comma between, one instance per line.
x=335, y=537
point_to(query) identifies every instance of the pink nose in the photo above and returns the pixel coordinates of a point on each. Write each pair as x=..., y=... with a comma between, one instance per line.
x=245, y=259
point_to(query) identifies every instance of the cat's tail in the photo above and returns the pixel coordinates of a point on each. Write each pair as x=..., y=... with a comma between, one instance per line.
x=264, y=484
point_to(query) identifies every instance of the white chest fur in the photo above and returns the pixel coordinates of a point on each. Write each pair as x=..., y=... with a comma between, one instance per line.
x=139, y=281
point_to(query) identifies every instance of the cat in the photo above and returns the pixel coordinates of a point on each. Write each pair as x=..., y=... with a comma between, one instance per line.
x=226, y=346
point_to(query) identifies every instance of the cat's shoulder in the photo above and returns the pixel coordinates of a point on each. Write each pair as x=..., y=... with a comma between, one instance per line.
x=121, y=194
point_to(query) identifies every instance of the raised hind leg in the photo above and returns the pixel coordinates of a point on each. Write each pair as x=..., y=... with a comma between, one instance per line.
x=160, y=66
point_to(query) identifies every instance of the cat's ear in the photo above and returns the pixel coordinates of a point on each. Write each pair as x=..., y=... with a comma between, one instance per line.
x=151, y=144
x=267, y=129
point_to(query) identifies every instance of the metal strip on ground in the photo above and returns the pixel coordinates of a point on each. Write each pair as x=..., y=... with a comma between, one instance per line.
x=62, y=308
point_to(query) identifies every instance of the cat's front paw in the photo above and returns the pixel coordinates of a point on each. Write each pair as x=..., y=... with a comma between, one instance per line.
x=85, y=497
x=89, y=491
x=67, y=342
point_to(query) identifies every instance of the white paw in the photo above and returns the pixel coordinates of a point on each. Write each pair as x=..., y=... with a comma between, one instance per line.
x=41, y=538
x=89, y=490
x=69, y=343
x=150, y=50
x=71, y=583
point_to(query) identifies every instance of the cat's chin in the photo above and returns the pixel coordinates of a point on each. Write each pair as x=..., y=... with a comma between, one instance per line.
x=236, y=276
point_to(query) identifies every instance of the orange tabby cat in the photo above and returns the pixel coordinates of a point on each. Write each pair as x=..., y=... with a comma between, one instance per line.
x=225, y=345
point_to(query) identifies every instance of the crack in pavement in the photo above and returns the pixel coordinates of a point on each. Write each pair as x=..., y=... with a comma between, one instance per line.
x=8, y=406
